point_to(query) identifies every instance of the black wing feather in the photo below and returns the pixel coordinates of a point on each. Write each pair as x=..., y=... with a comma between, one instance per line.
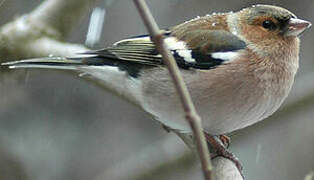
x=139, y=52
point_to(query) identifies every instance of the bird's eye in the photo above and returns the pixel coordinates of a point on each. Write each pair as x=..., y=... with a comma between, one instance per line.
x=268, y=24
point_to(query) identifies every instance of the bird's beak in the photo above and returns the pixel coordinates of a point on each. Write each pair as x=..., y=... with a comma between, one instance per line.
x=296, y=26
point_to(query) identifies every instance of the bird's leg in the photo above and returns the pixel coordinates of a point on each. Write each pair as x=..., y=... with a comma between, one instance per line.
x=226, y=140
x=218, y=146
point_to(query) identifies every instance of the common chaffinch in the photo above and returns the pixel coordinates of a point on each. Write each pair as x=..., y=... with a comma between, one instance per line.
x=238, y=66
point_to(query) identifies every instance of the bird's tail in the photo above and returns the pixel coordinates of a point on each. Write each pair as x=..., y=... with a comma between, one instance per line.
x=105, y=71
x=47, y=63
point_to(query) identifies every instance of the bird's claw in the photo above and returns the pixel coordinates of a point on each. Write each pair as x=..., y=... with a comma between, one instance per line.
x=218, y=146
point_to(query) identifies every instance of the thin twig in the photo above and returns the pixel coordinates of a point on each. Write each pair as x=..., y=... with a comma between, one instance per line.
x=188, y=106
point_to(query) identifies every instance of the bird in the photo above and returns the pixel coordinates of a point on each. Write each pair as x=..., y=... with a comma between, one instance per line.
x=238, y=67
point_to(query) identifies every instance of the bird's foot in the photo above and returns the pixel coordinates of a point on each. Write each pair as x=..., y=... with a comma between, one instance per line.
x=218, y=146
x=226, y=140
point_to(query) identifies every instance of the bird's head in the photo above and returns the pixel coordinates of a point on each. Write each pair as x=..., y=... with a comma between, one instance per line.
x=269, y=26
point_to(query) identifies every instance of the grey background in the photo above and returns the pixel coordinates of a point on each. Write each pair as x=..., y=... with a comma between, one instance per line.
x=54, y=125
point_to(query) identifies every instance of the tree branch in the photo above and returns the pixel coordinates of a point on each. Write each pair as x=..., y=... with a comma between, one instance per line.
x=61, y=15
x=49, y=24
x=190, y=112
x=225, y=169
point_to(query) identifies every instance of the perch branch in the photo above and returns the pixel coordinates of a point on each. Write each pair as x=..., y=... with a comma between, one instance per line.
x=162, y=155
x=188, y=106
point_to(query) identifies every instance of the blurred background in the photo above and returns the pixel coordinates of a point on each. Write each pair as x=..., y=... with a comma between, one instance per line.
x=54, y=125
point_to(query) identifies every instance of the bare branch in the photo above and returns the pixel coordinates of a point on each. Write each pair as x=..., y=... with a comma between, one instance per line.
x=48, y=23
x=53, y=47
x=61, y=15
x=188, y=106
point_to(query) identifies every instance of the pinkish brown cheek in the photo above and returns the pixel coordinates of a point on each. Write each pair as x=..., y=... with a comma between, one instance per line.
x=253, y=34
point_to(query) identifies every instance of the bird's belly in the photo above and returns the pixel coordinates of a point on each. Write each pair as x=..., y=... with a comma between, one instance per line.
x=230, y=116
x=217, y=118
x=220, y=113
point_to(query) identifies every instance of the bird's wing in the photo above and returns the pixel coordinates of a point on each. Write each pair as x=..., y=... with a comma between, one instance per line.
x=199, y=49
